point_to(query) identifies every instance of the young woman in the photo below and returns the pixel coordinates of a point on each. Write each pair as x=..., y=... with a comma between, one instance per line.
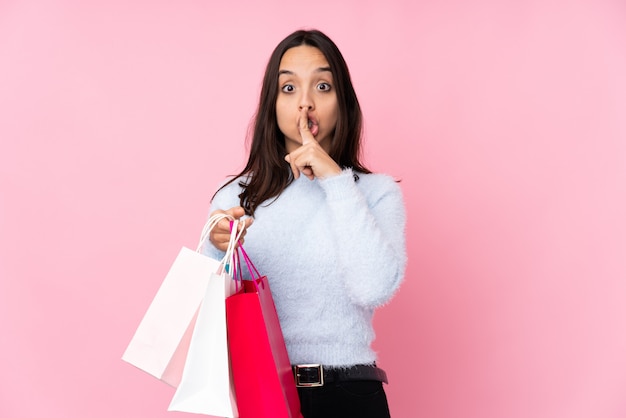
x=327, y=232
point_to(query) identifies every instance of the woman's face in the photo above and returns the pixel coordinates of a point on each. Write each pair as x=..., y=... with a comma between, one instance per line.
x=305, y=81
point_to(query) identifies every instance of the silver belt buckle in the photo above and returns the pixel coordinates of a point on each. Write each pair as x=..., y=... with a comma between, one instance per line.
x=316, y=383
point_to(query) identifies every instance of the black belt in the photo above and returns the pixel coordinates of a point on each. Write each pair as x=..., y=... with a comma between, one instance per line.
x=312, y=375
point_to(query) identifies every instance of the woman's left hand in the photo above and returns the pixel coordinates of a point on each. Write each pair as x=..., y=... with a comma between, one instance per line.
x=310, y=159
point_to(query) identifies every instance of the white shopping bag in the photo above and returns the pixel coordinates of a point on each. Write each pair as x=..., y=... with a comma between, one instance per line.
x=160, y=344
x=207, y=386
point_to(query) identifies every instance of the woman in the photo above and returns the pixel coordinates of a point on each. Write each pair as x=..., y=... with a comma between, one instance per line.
x=327, y=232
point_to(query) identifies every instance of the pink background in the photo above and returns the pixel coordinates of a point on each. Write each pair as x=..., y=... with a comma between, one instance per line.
x=505, y=120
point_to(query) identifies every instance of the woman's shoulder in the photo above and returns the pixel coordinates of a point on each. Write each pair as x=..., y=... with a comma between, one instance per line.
x=227, y=191
x=377, y=186
x=233, y=183
x=377, y=181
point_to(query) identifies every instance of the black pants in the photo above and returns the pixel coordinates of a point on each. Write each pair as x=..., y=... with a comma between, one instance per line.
x=358, y=399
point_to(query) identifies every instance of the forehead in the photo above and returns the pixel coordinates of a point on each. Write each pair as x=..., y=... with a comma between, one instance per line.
x=303, y=58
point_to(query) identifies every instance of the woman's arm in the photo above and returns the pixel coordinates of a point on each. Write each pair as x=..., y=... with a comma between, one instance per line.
x=370, y=235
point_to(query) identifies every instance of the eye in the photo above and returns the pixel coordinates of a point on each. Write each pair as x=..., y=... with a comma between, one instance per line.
x=287, y=88
x=323, y=87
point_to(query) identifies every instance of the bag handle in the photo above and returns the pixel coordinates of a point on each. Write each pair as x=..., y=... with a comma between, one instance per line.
x=254, y=273
x=235, y=236
x=208, y=227
x=251, y=267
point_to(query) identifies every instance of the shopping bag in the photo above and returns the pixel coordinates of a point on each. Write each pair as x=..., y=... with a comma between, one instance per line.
x=160, y=343
x=206, y=386
x=262, y=374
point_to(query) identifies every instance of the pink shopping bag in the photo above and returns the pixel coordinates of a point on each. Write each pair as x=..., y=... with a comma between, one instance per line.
x=262, y=374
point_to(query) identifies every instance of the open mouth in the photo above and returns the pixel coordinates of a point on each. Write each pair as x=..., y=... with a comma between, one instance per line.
x=313, y=127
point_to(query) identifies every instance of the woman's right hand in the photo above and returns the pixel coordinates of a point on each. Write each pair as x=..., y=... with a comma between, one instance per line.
x=220, y=234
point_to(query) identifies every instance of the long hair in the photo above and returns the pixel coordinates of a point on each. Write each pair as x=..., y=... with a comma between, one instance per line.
x=266, y=173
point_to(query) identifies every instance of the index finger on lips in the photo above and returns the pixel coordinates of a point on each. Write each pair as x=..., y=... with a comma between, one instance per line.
x=303, y=126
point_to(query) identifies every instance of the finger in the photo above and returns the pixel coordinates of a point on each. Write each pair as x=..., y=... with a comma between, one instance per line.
x=243, y=228
x=236, y=212
x=220, y=234
x=308, y=171
x=220, y=238
x=292, y=164
x=220, y=241
x=303, y=126
x=299, y=164
x=299, y=167
x=223, y=226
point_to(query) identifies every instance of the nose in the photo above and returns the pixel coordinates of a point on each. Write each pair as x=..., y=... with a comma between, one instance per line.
x=306, y=102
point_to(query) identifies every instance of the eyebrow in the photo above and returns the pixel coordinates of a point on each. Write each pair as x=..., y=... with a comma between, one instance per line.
x=289, y=72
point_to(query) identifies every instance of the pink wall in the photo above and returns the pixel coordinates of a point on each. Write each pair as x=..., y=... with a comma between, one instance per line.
x=506, y=122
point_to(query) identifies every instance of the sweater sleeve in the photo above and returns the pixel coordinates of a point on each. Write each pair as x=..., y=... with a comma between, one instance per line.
x=370, y=235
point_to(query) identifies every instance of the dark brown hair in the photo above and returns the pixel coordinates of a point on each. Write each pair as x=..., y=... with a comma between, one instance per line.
x=267, y=174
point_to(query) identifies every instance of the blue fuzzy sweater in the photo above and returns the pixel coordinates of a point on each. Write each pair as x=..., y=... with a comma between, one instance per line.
x=333, y=250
